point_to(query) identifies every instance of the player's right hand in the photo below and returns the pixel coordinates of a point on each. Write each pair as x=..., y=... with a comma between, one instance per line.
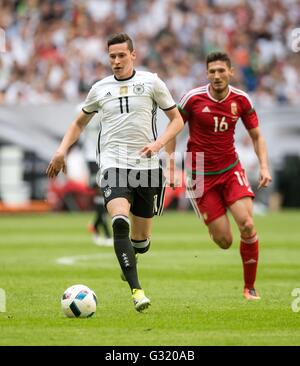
x=56, y=165
x=150, y=149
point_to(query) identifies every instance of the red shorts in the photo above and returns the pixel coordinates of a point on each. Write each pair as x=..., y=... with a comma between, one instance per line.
x=219, y=192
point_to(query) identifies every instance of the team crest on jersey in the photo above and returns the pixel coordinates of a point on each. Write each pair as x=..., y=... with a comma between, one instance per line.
x=138, y=89
x=123, y=90
x=234, y=108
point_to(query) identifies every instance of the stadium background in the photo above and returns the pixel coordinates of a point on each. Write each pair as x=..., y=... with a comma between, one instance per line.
x=53, y=51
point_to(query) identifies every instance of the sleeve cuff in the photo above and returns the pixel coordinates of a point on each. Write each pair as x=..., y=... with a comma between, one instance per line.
x=84, y=111
x=168, y=109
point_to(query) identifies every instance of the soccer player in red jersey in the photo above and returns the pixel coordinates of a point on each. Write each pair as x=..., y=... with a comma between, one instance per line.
x=212, y=112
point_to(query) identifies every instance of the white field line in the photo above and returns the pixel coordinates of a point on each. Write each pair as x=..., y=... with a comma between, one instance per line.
x=76, y=258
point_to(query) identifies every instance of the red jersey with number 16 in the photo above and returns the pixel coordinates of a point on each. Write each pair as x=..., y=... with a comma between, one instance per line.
x=212, y=125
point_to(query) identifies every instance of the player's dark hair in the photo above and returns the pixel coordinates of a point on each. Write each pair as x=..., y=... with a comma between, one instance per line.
x=120, y=38
x=218, y=56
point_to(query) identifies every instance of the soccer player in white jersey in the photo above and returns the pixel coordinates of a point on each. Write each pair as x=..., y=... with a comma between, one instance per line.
x=129, y=175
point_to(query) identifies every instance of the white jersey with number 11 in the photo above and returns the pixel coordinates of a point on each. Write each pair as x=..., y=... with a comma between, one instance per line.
x=127, y=118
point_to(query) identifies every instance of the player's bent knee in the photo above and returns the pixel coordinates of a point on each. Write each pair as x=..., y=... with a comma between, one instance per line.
x=223, y=242
x=120, y=225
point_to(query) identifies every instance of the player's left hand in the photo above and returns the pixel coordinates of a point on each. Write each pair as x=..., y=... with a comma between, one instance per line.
x=265, y=178
x=150, y=149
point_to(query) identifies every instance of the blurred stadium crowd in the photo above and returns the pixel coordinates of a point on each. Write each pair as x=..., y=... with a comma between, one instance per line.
x=55, y=50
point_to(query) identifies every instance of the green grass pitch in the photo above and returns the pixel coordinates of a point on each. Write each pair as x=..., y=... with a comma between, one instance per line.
x=195, y=287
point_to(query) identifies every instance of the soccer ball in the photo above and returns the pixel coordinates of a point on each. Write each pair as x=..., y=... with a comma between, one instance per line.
x=79, y=301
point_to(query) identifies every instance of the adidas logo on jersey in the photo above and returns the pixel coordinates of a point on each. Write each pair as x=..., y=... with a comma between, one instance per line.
x=206, y=109
x=108, y=94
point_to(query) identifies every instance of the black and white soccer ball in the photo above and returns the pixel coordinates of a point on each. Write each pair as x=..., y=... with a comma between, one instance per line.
x=79, y=301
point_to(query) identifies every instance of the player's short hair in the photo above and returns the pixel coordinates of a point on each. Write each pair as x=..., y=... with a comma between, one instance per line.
x=218, y=56
x=120, y=38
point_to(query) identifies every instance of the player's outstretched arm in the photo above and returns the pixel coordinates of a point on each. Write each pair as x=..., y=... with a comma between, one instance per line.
x=57, y=163
x=261, y=152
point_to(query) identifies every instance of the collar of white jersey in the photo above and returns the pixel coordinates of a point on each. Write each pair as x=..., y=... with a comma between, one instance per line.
x=130, y=77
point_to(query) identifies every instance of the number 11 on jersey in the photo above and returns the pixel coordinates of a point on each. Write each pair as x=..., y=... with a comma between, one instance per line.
x=124, y=107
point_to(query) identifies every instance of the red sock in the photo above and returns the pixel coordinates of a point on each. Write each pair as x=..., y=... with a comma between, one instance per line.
x=249, y=254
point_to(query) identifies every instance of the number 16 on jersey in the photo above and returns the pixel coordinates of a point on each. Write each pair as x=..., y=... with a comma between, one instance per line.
x=220, y=126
